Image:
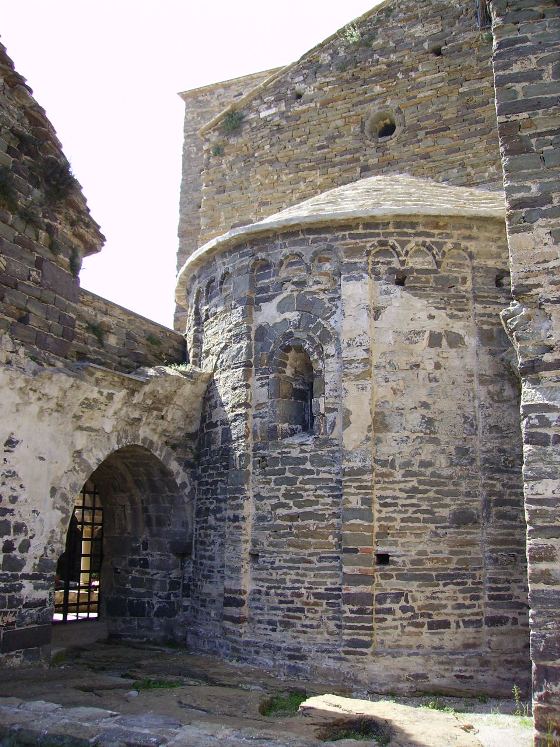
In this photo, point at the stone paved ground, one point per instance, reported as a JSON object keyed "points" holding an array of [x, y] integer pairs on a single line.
{"points": [[96, 695]]}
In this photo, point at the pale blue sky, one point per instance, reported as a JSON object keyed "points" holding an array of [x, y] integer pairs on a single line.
{"points": [[107, 73]]}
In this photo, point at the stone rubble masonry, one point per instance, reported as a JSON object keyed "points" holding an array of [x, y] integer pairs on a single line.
{"points": [[114, 337], [302, 132], [135, 434], [60, 331], [42, 208], [386, 545], [79, 398], [363, 199], [527, 77], [305, 129], [202, 105], [415, 453], [45, 230]]}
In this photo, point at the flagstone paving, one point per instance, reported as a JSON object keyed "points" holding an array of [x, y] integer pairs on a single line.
{"points": [[117, 695]]}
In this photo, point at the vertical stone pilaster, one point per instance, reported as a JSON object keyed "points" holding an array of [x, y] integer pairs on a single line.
{"points": [[357, 443], [527, 82], [239, 479], [499, 459]]}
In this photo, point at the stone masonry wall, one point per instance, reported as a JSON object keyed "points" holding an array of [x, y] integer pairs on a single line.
{"points": [[114, 337], [136, 435], [312, 127], [45, 230], [201, 106], [45, 226], [387, 545], [60, 323], [527, 77], [63, 418]]}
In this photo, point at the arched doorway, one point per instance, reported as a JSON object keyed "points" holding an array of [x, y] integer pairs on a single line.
{"points": [[128, 549]]}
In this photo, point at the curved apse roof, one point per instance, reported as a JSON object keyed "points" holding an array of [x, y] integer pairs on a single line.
{"points": [[376, 196]]}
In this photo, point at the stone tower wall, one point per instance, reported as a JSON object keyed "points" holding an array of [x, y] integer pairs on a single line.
{"points": [[201, 106], [527, 77], [305, 132]]}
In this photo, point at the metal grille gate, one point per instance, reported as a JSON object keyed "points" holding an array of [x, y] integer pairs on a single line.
{"points": [[78, 572]]}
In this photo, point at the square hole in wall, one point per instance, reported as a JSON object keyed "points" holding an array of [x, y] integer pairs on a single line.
{"points": [[382, 558]]}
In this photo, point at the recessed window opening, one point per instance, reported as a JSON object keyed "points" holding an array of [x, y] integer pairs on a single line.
{"points": [[309, 406], [195, 350], [78, 571], [386, 129], [381, 126], [295, 403], [382, 558]]}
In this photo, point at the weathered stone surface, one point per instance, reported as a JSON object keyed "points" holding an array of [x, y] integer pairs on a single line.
{"points": [[220, 703], [391, 522], [527, 43], [351, 502], [308, 127], [59, 427], [406, 725]]}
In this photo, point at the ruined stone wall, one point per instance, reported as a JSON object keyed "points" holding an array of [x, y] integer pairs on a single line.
{"points": [[45, 230], [45, 226], [136, 435], [527, 77], [114, 337], [386, 545], [313, 127], [63, 419]]}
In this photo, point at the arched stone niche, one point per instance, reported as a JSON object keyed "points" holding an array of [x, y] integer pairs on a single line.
{"points": [[295, 389]]}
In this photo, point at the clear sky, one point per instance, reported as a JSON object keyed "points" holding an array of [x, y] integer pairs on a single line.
{"points": [[107, 73]]}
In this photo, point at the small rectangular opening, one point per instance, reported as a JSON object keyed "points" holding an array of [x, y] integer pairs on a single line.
{"points": [[382, 558]]}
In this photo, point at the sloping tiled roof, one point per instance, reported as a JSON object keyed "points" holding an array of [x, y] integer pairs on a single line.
{"points": [[392, 195], [368, 198]]}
